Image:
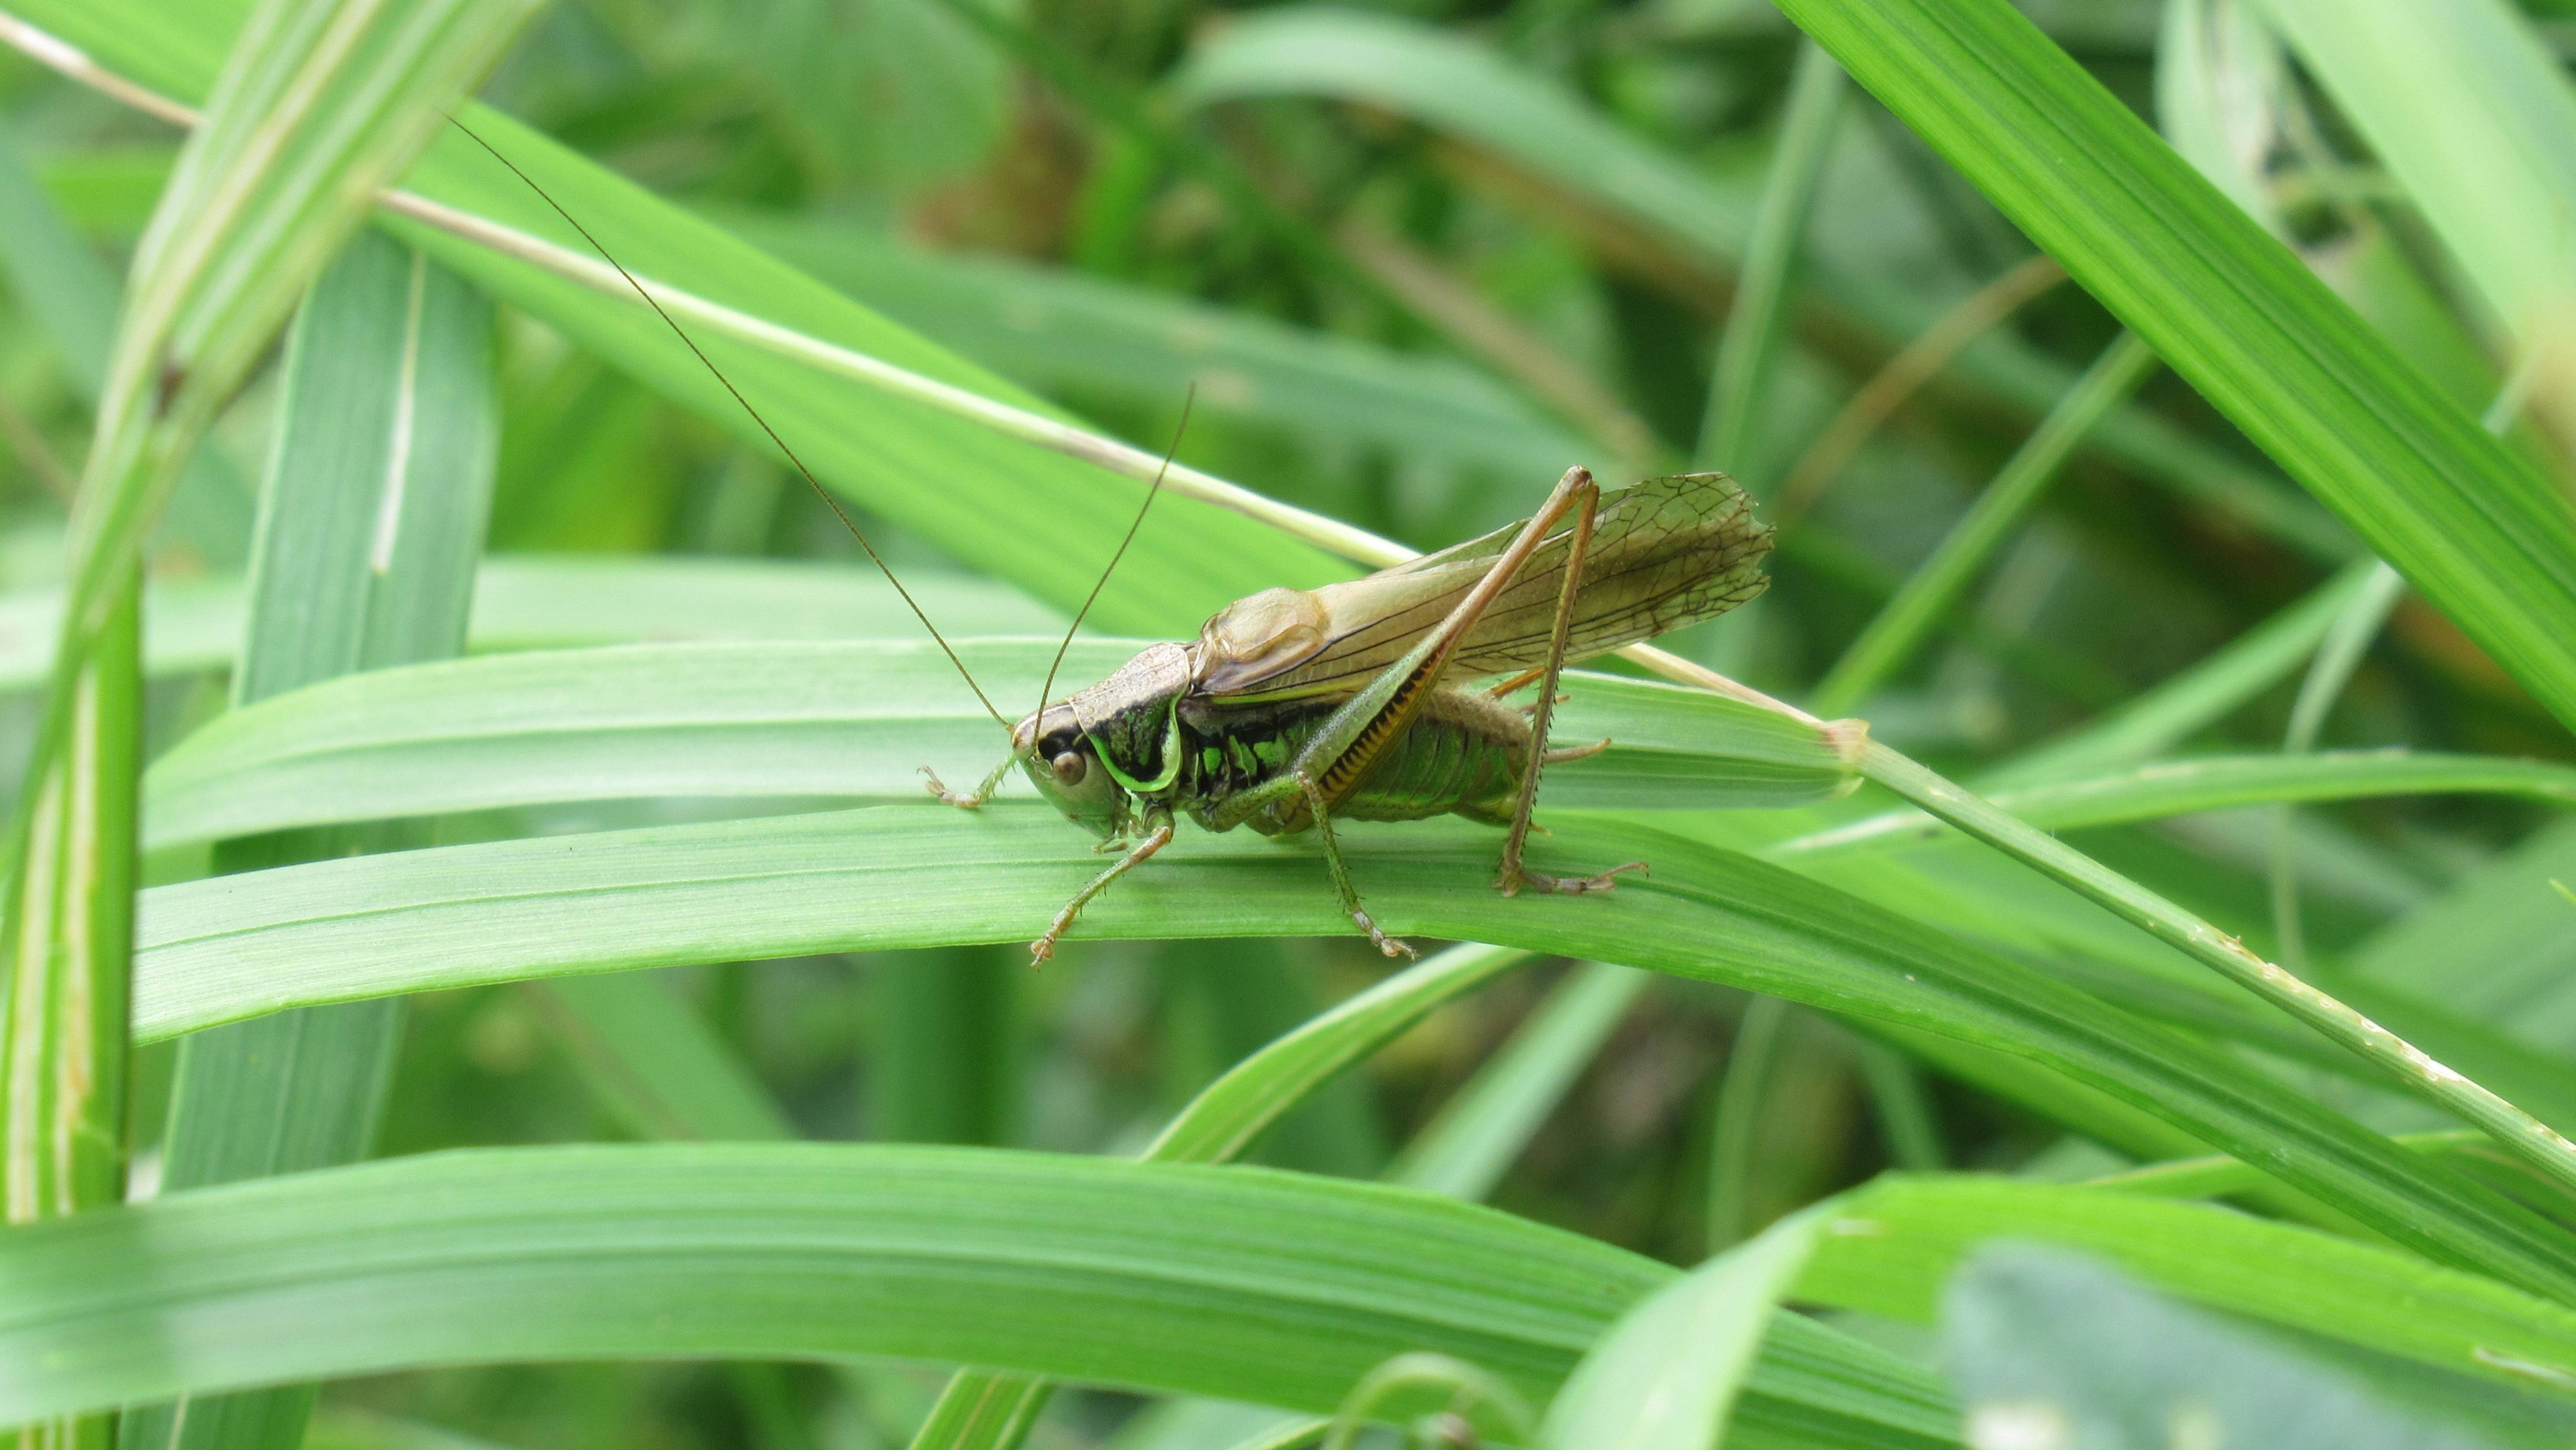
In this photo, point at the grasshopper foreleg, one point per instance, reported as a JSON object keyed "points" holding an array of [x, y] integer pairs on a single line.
{"points": [[1155, 840], [980, 794], [1341, 874]]}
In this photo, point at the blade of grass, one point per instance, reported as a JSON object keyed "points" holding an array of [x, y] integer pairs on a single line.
{"points": [[1740, 1094], [1471, 1142], [802, 720], [1241, 1282], [234, 947], [370, 525], [63, 1004], [2219, 1177], [2536, 1142], [2338, 655], [1666, 1375], [1900, 628], [2471, 525], [2209, 783], [1749, 345]]}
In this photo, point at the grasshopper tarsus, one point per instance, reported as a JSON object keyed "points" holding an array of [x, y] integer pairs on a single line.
{"points": [[971, 799], [1514, 876]]}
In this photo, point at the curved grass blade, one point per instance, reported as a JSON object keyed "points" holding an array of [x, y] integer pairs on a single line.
{"points": [[224, 949], [1748, 347], [1241, 1283], [809, 720]]}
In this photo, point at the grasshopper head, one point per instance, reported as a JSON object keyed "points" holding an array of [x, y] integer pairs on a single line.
{"points": [[1061, 761]]}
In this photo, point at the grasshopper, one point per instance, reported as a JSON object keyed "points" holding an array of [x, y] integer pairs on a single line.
{"points": [[1295, 707], [1357, 700]]}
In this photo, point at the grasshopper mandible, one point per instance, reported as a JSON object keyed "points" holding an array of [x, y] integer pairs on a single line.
{"points": [[1356, 700], [1294, 707]]}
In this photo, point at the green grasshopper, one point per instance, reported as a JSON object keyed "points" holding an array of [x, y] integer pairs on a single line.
{"points": [[1353, 701], [1296, 707]]}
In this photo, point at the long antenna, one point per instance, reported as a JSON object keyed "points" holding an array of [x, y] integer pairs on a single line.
{"points": [[1151, 491], [811, 481]]}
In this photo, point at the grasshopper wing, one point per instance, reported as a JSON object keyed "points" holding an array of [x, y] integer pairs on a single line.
{"points": [[1665, 552]]}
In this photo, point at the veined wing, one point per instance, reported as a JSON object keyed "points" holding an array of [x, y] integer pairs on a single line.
{"points": [[1665, 552]]}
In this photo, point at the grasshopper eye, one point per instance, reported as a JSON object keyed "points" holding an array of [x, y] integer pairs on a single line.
{"points": [[1069, 767]]}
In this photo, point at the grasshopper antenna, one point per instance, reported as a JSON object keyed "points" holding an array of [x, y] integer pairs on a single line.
{"points": [[1151, 491], [811, 481]]}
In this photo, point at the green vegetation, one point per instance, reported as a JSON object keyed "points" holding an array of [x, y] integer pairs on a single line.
{"points": [[471, 887]]}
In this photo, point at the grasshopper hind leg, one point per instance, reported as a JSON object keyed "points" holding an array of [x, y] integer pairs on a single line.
{"points": [[1511, 876]]}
